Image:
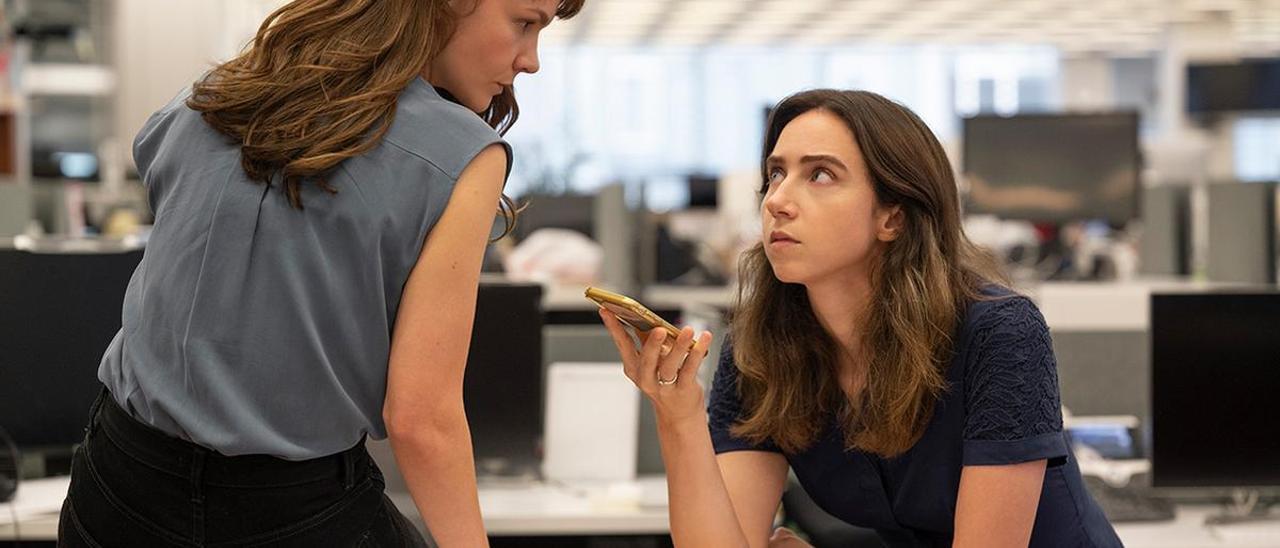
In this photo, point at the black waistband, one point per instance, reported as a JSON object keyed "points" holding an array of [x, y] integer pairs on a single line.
{"points": [[183, 458]]}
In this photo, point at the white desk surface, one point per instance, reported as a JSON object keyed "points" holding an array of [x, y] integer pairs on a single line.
{"points": [[1067, 306], [541, 509], [509, 510]]}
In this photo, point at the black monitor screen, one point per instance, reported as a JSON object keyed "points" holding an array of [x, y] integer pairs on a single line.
{"points": [[58, 313], [703, 191], [1244, 86], [1215, 379], [1053, 168], [503, 384]]}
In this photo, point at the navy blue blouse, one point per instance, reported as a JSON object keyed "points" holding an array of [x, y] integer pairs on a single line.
{"points": [[1001, 407]]}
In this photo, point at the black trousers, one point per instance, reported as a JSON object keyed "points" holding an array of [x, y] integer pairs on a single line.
{"points": [[133, 485]]}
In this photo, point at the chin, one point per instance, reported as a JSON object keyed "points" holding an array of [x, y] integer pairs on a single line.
{"points": [[787, 275]]}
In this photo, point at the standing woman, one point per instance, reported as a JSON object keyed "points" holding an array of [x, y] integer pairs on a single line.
{"points": [[322, 206], [873, 353]]}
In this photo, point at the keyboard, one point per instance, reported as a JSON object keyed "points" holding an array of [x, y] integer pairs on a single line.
{"points": [[1122, 504]]}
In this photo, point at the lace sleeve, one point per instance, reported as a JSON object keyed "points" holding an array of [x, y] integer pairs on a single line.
{"points": [[1013, 409], [724, 409]]}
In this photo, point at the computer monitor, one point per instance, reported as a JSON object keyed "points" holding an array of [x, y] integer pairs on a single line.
{"points": [[58, 312], [1053, 167], [1248, 85], [503, 385], [704, 191], [1215, 377]]}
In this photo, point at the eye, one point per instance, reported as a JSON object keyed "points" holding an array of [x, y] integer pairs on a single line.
{"points": [[821, 175], [775, 175], [526, 24]]}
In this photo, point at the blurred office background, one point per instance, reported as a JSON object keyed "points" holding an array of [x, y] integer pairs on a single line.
{"points": [[1116, 155]]}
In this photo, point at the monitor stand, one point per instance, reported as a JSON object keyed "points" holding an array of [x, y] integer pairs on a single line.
{"points": [[1246, 505]]}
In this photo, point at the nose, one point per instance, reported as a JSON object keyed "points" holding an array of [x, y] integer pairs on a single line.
{"points": [[779, 202], [527, 61]]}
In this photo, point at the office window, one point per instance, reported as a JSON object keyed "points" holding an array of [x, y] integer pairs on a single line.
{"points": [[647, 117], [1005, 80], [1134, 87], [1257, 147], [916, 76], [1033, 94]]}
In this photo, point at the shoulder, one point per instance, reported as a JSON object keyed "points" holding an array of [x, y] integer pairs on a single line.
{"points": [[1010, 382], [439, 132], [725, 408], [726, 367], [1005, 340], [1000, 310], [175, 131]]}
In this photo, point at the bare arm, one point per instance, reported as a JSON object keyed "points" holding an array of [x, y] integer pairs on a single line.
{"points": [[996, 506], [423, 411], [755, 480], [729, 500]]}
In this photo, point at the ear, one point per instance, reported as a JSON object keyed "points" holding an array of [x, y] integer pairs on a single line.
{"points": [[890, 222]]}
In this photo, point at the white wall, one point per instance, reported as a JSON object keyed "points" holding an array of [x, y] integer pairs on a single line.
{"points": [[161, 47]]}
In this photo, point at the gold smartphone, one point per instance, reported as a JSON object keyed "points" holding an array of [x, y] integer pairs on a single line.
{"points": [[635, 315]]}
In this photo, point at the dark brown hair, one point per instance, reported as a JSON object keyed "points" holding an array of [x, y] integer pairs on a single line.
{"points": [[320, 81], [921, 284]]}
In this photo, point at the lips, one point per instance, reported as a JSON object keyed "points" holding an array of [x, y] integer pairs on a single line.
{"points": [[778, 236]]}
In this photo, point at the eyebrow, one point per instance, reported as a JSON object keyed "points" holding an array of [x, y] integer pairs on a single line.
{"points": [[810, 159], [544, 18]]}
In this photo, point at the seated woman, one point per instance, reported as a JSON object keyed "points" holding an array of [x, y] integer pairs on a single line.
{"points": [[874, 351]]}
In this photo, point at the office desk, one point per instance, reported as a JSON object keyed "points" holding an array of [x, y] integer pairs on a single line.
{"points": [[552, 510], [541, 509], [524, 510], [1187, 530]]}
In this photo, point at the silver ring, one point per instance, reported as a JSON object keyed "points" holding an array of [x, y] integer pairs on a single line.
{"points": [[668, 382]]}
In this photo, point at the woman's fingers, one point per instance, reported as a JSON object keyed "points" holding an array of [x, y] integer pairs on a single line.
{"points": [[670, 364], [622, 340], [647, 365], [658, 358], [693, 362]]}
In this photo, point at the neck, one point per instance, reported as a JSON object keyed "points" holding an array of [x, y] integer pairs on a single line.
{"points": [[840, 304]]}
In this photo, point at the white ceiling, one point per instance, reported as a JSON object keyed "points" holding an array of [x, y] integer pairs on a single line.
{"points": [[1251, 26]]}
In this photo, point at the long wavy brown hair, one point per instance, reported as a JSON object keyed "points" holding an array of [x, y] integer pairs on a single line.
{"points": [[320, 81], [921, 285]]}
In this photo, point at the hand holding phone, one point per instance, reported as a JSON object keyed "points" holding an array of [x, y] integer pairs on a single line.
{"points": [[633, 314], [630, 311], [656, 366]]}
